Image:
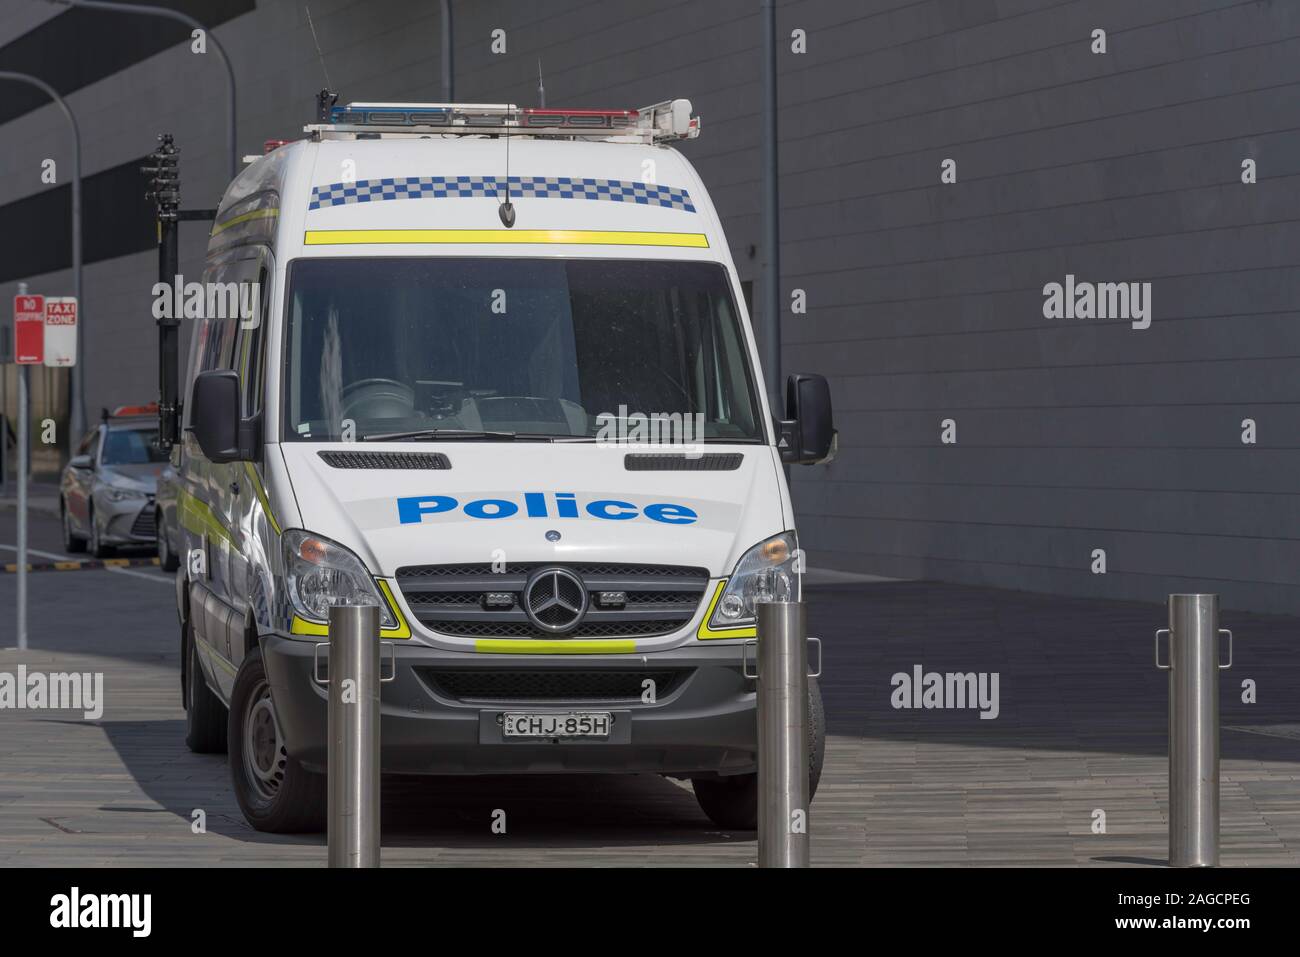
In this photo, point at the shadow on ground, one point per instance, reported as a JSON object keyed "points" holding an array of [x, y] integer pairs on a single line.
{"points": [[575, 811]]}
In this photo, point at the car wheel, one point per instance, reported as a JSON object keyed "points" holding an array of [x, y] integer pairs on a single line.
{"points": [[72, 543], [205, 715], [732, 802], [274, 791], [167, 559], [97, 546]]}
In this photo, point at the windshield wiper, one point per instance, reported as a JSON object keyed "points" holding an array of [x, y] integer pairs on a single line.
{"points": [[443, 433]]}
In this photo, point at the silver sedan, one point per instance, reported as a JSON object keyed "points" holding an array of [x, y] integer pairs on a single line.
{"points": [[108, 487]]}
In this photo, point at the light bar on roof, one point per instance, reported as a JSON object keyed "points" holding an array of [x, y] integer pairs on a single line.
{"points": [[578, 119], [669, 120]]}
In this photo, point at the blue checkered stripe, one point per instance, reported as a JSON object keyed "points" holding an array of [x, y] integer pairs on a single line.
{"points": [[521, 187]]}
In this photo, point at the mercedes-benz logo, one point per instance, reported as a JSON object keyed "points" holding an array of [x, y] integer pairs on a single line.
{"points": [[555, 599]]}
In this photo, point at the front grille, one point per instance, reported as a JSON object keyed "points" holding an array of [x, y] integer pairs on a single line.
{"points": [[502, 685], [681, 462], [452, 599], [144, 526], [385, 460]]}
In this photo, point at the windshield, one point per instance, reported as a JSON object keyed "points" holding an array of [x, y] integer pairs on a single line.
{"points": [[131, 447], [575, 348]]}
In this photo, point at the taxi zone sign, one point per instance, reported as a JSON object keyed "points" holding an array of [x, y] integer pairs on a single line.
{"points": [[45, 330], [60, 331]]}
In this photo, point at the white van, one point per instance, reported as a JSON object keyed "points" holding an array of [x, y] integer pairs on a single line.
{"points": [[531, 428]]}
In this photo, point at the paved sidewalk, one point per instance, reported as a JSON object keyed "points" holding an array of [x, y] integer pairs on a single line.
{"points": [[1081, 727]]}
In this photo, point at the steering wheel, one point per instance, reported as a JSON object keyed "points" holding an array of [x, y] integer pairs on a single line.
{"points": [[377, 398], [663, 373]]}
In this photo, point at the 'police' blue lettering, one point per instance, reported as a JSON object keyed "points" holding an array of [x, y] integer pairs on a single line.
{"points": [[602, 508], [413, 509], [500, 508], [670, 514]]}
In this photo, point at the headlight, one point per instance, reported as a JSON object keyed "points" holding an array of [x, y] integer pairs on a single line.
{"points": [[321, 573], [122, 494], [770, 571]]}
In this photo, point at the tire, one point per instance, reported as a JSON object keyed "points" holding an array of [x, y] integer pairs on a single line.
{"points": [[275, 792], [205, 715], [167, 559], [72, 543], [97, 546], [732, 802]]}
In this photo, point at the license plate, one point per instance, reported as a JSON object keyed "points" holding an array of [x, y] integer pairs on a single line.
{"points": [[573, 724]]}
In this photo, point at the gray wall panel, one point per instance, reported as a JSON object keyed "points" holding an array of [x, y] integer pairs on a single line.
{"points": [[925, 300]]}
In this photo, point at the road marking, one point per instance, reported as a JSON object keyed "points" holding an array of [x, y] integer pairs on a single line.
{"points": [[146, 577], [37, 551], [67, 563]]}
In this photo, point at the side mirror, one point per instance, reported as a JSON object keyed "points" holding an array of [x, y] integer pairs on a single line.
{"points": [[81, 462], [807, 432], [215, 420]]}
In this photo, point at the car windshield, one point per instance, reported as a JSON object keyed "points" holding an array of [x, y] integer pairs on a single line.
{"points": [[483, 347], [132, 447]]}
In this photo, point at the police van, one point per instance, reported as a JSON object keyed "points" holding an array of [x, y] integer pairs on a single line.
{"points": [[500, 381]]}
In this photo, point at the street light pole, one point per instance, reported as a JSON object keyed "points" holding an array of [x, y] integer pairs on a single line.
{"points": [[448, 71], [770, 313], [77, 390], [193, 24]]}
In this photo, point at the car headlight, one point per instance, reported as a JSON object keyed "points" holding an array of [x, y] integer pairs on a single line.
{"points": [[320, 573], [770, 571], [122, 494]]}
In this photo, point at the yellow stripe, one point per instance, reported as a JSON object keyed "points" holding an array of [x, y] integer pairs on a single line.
{"points": [[216, 656], [244, 218], [403, 630], [706, 633], [198, 517], [301, 626], [260, 490], [582, 237], [511, 646]]}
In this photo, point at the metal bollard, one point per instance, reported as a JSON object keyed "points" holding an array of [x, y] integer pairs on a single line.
{"points": [[1193, 728], [354, 736], [782, 735]]}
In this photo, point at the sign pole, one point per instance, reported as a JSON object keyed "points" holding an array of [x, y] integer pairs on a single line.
{"points": [[24, 382]]}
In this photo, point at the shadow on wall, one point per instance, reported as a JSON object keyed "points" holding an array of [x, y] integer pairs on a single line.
{"points": [[1074, 674]]}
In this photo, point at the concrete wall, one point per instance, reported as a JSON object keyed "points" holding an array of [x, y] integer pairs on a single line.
{"points": [[925, 300]]}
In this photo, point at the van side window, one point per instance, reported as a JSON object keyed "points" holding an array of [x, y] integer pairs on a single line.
{"points": [[249, 349]]}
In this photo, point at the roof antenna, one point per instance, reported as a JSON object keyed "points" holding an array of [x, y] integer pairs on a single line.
{"points": [[541, 89], [507, 209], [319, 54]]}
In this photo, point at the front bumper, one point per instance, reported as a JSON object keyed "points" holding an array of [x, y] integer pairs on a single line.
{"points": [[129, 522], [704, 724]]}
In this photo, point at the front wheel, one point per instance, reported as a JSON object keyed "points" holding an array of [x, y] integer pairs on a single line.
{"points": [[732, 802], [72, 542], [97, 546], [274, 791], [205, 715]]}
